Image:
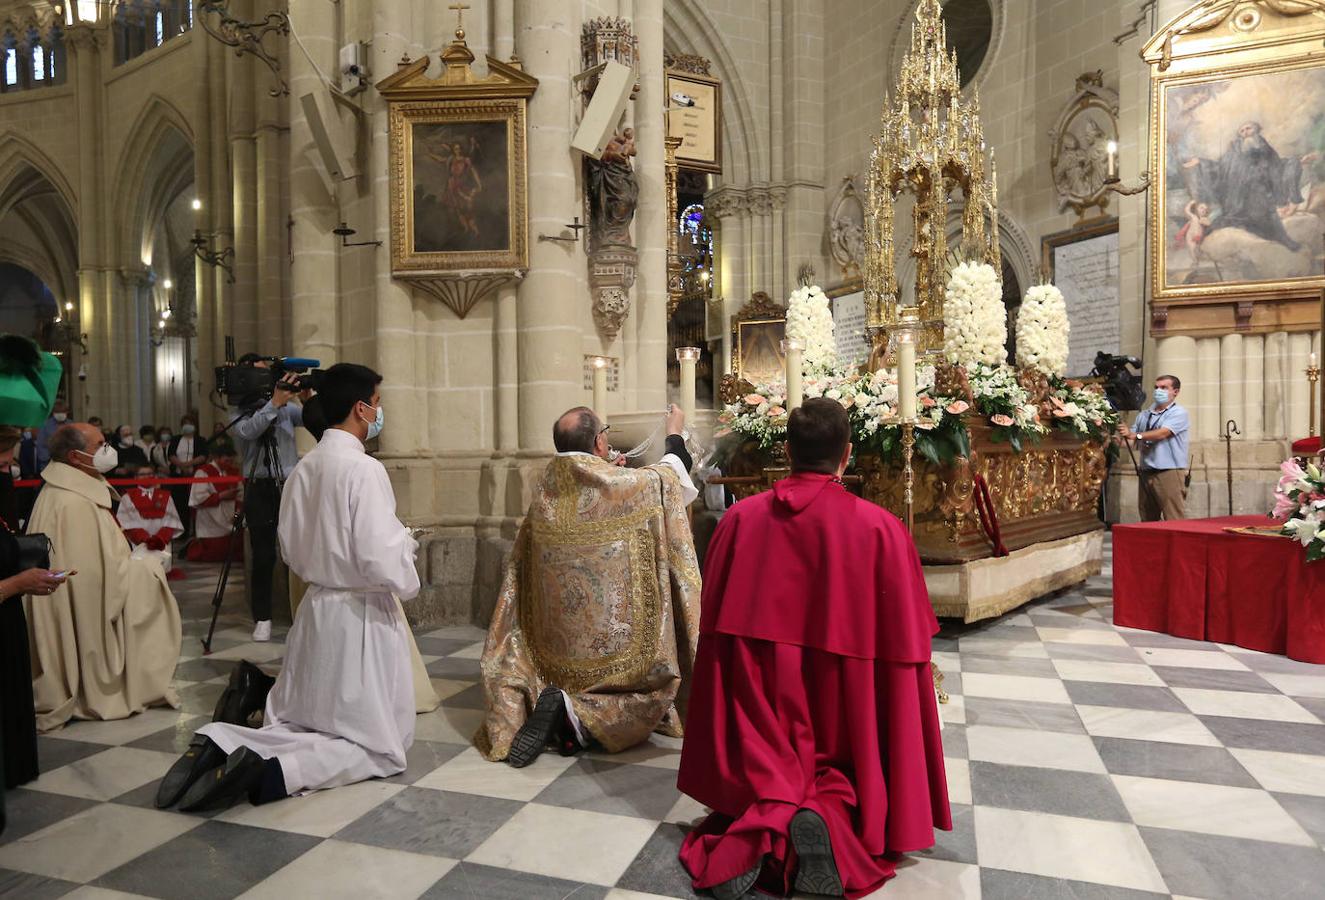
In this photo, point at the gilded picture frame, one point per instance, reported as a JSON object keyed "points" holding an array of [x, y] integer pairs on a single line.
{"points": [[698, 126], [1237, 202], [459, 209]]}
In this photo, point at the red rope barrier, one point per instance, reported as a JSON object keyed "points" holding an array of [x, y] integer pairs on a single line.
{"points": [[144, 482], [984, 504]]}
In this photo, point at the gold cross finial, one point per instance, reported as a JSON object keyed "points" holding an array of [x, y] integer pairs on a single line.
{"points": [[459, 19]]}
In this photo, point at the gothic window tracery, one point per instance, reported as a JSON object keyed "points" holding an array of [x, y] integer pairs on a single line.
{"points": [[31, 57]]}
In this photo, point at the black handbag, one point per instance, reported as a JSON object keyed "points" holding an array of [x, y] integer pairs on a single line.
{"points": [[34, 551]]}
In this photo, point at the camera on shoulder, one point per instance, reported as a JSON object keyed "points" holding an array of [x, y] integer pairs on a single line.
{"points": [[253, 379]]}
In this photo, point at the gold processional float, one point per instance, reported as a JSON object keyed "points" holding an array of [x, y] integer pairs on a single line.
{"points": [[1044, 496]]}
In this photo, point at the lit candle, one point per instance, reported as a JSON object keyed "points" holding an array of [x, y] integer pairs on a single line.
{"points": [[687, 357], [1111, 170], [906, 363], [600, 387], [1311, 362], [792, 350]]}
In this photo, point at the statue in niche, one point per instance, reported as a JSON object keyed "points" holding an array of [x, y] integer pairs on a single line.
{"points": [[613, 192]]}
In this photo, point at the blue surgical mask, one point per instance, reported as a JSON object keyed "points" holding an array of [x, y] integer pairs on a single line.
{"points": [[375, 426], [1161, 396]]}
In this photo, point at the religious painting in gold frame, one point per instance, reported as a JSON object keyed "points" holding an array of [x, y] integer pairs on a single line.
{"points": [[1238, 203], [758, 329], [458, 166]]}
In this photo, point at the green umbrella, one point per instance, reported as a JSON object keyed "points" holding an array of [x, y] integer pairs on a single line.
{"points": [[29, 382]]}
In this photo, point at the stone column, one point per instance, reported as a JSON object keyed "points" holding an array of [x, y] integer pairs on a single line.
{"points": [[199, 363], [1299, 347], [725, 206], [314, 285], [1276, 397], [1205, 424], [243, 186], [1177, 356], [503, 29], [651, 215], [1232, 377], [84, 43], [1253, 391], [549, 298]]}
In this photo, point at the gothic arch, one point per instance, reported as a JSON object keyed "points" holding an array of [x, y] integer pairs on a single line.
{"points": [[689, 28], [37, 214], [154, 166]]}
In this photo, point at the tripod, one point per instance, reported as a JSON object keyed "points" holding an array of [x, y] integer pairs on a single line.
{"points": [[267, 454]]}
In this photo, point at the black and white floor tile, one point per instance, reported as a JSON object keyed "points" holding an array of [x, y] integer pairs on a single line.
{"points": [[1084, 761]]}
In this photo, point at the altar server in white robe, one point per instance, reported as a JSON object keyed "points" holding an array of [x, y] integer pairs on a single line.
{"points": [[342, 709]]}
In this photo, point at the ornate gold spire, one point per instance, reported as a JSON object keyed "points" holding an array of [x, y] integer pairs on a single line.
{"points": [[930, 143]]}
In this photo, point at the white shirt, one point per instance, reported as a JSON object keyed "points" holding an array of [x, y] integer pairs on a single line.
{"points": [[338, 522]]}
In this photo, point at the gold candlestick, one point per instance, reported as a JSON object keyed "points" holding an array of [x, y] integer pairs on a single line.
{"points": [[1313, 376], [908, 473]]}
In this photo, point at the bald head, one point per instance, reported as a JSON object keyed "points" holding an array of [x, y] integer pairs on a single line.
{"points": [[76, 444], [577, 431]]}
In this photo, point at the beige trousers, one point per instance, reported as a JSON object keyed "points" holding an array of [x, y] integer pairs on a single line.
{"points": [[1162, 494]]}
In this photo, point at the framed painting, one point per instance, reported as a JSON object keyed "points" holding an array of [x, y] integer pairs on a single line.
{"points": [[459, 215], [1238, 194], [700, 125], [758, 328]]}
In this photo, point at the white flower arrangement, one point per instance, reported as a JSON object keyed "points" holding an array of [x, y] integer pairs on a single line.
{"points": [[975, 322], [810, 321], [1300, 505], [1042, 331], [1000, 397]]}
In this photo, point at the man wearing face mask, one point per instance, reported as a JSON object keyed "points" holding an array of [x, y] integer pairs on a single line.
{"points": [[59, 415], [342, 709], [277, 418], [104, 644], [1162, 433]]}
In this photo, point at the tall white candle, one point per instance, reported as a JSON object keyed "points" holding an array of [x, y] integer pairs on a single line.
{"points": [[600, 387], [795, 393], [1111, 161], [687, 357], [906, 377]]}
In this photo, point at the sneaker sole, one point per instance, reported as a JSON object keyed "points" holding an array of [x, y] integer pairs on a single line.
{"points": [[532, 738], [817, 873]]}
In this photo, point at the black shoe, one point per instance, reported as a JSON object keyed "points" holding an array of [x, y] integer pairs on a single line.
{"points": [[817, 871], [537, 731], [244, 695], [201, 757], [737, 888], [225, 785]]}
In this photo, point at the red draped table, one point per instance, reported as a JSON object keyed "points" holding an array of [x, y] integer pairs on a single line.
{"points": [[1196, 579]]}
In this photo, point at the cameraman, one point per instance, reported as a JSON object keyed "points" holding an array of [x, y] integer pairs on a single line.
{"points": [[1162, 432], [278, 418]]}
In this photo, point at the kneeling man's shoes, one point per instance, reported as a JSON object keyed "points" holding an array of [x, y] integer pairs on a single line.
{"points": [[534, 734], [201, 757], [737, 888], [817, 873], [225, 784]]}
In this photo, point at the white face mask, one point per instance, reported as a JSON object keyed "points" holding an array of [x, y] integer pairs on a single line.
{"points": [[61, 417], [105, 459]]}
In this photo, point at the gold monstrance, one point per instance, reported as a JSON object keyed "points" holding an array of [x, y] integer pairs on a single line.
{"points": [[931, 144]]}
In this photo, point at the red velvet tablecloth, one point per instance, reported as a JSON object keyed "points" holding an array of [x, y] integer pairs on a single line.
{"points": [[1195, 579]]}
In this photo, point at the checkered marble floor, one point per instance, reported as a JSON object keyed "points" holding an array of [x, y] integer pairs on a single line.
{"points": [[1084, 761]]}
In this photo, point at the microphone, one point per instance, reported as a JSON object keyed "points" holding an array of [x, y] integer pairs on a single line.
{"points": [[301, 362]]}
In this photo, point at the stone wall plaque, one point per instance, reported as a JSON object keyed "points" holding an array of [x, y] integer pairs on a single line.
{"points": [[1083, 263]]}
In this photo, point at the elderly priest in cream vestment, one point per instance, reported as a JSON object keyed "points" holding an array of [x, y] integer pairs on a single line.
{"points": [[594, 633], [105, 644]]}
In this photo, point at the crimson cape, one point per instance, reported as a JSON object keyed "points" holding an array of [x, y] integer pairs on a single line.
{"points": [[812, 688]]}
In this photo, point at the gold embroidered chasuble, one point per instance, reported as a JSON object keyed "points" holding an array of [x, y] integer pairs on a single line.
{"points": [[601, 599]]}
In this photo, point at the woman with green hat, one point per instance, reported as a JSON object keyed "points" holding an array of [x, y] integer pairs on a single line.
{"points": [[29, 380]]}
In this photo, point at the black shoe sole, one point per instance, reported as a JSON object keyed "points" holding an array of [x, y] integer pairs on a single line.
{"points": [[533, 736], [245, 694], [817, 872], [737, 888], [201, 757], [224, 786]]}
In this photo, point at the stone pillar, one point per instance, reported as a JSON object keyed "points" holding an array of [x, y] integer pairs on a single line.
{"points": [[550, 300], [503, 29], [1205, 424], [243, 185], [1299, 347], [1276, 398], [84, 43], [1177, 356], [1253, 367], [651, 215], [313, 268], [505, 326], [199, 362], [725, 206], [1232, 377]]}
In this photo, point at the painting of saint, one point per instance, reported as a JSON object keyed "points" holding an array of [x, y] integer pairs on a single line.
{"points": [[461, 187], [1244, 184], [759, 350]]}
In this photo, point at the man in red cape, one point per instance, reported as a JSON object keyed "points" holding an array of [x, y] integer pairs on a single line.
{"points": [[813, 730]]}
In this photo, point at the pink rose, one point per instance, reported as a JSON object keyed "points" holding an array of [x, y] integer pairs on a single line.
{"points": [[775, 411], [928, 402], [1060, 413], [957, 407], [1001, 419], [1099, 422], [754, 399]]}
